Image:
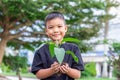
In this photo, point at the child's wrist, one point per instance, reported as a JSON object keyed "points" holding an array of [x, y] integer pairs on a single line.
{"points": [[53, 71], [68, 70]]}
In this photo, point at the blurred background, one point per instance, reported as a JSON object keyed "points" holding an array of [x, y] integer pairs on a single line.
{"points": [[96, 23]]}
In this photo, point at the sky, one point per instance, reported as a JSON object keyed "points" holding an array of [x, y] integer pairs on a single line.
{"points": [[116, 11], [114, 29], [114, 26]]}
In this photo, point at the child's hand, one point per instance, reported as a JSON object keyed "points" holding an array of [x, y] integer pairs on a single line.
{"points": [[64, 68], [55, 67]]}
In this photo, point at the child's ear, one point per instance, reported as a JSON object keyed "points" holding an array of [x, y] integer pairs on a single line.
{"points": [[45, 31], [66, 28]]}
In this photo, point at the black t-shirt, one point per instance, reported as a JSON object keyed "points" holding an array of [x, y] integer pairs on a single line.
{"points": [[43, 60]]}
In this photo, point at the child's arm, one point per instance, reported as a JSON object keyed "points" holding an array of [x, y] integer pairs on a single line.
{"points": [[74, 73], [44, 73]]}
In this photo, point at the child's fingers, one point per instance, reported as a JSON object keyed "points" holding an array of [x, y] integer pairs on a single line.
{"points": [[64, 69], [55, 67], [54, 64]]}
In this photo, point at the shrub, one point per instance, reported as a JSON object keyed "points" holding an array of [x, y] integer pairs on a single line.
{"points": [[89, 70], [114, 60], [15, 62], [5, 68]]}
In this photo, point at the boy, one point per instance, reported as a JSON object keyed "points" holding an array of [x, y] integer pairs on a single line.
{"points": [[44, 66]]}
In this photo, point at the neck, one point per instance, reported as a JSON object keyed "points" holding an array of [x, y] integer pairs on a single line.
{"points": [[57, 42]]}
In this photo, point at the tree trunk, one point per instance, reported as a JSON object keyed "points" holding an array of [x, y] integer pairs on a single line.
{"points": [[118, 78], [106, 29], [2, 49], [105, 68], [18, 74]]}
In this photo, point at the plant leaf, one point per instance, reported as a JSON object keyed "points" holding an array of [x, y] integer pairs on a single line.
{"points": [[60, 53], [73, 55], [51, 49], [70, 40]]}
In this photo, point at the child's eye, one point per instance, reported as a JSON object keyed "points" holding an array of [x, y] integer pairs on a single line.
{"points": [[59, 26], [50, 27]]}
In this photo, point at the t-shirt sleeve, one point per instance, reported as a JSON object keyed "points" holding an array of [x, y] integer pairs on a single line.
{"points": [[79, 65], [37, 62]]}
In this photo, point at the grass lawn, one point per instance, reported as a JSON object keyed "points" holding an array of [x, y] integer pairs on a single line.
{"points": [[93, 78], [22, 74], [33, 76]]}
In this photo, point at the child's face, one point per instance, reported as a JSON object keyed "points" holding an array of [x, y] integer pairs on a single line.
{"points": [[56, 29]]}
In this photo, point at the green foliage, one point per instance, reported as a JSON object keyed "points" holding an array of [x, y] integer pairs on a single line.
{"points": [[19, 8], [116, 47], [94, 78], [24, 70], [89, 70], [20, 13], [5, 68], [116, 67], [59, 53], [29, 47], [15, 62], [84, 47], [52, 47], [13, 44], [115, 59], [70, 40], [73, 55], [22, 21]]}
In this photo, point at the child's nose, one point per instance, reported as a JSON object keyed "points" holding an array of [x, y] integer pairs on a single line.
{"points": [[56, 29]]}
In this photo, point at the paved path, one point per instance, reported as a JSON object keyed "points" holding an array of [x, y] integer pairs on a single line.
{"points": [[16, 78]]}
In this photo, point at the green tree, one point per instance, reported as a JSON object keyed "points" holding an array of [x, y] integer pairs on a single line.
{"points": [[15, 63], [21, 21], [114, 59], [17, 18], [105, 21]]}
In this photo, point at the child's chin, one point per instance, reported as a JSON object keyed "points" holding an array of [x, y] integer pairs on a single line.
{"points": [[57, 39]]}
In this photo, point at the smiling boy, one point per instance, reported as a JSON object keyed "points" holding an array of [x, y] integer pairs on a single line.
{"points": [[44, 66]]}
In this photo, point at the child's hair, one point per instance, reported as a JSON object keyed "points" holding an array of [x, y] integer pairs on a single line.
{"points": [[54, 15]]}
